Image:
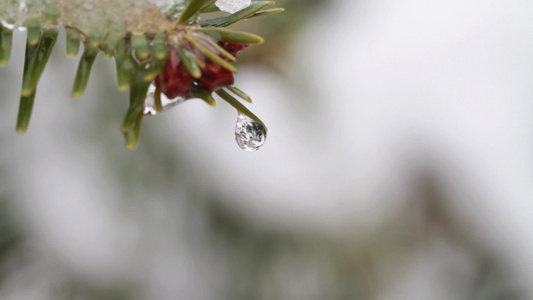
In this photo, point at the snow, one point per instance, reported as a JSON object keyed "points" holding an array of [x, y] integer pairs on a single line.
{"points": [[232, 6]]}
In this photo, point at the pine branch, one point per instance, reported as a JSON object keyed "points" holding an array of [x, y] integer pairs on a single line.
{"points": [[164, 55]]}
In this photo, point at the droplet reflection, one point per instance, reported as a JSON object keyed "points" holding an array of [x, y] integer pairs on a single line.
{"points": [[249, 134]]}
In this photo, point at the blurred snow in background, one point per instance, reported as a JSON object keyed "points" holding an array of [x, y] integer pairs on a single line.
{"points": [[398, 165]]}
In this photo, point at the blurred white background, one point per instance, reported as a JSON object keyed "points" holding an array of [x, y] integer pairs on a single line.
{"points": [[399, 165]]}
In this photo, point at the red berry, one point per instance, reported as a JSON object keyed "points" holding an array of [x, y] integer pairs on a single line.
{"points": [[214, 76], [232, 48], [174, 80]]}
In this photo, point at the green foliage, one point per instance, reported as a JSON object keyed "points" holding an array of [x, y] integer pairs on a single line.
{"points": [[140, 40]]}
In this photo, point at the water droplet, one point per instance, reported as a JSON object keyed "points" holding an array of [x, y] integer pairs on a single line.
{"points": [[151, 108], [249, 134]]}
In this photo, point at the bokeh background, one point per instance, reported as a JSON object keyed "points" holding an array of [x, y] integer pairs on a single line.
{"points": [[399, 165]]}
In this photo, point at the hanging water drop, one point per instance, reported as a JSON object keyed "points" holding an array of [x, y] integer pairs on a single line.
{"points": [[154, 104], [249, 134]]}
